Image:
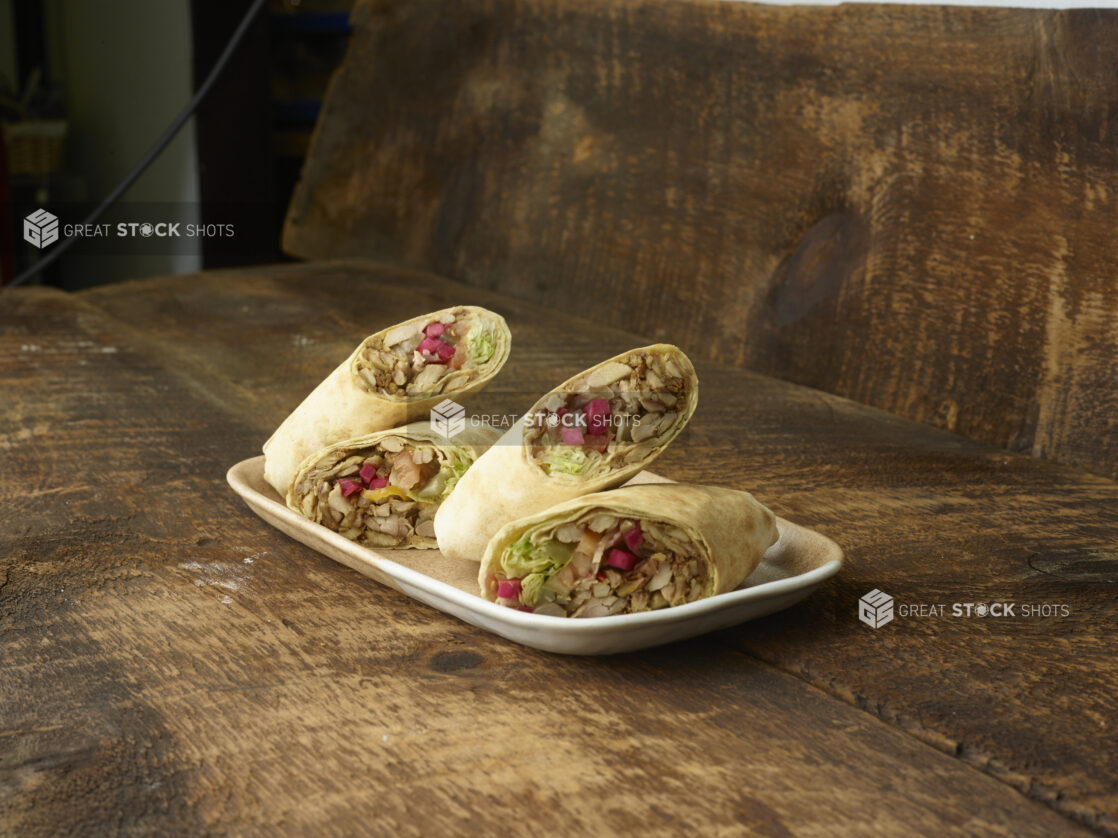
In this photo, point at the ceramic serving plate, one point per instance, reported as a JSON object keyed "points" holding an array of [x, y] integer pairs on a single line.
{"points": [[791, 569]]}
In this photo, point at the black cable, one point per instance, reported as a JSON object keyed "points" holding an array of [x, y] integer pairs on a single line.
{"points": [[154, 151]]}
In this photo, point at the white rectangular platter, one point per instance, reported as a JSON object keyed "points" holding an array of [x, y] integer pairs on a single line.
{"points": [[797, 564]]}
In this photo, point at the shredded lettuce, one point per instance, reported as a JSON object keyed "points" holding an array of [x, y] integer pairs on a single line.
{"points": [[568, 459], [439, 487], [433, 490], [480, 343], [530, 587], [457, 469], [523, 559]]}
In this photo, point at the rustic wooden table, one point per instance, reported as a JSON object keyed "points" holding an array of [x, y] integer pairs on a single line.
{"points": [[172, 665]]}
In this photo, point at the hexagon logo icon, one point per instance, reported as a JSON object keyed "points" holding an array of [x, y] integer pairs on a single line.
{"points": [[40, 228], [448, 418], [875, 609]]}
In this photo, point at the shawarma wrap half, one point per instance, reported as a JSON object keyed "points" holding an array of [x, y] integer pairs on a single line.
{"points": [[383, 489], [634, 549], [592, 432], [393, 377]]}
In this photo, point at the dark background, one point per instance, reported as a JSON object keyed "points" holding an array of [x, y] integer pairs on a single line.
{"points": [[111, 76]]}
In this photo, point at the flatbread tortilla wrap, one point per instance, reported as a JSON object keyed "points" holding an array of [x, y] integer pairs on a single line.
{"points": [[633, 549], [383, 489], [592, 432], [393, 377]]}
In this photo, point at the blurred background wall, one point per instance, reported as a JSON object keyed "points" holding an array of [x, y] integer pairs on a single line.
{"points": [[126, 70], [111, 75], [7, 41], [88, 86]]}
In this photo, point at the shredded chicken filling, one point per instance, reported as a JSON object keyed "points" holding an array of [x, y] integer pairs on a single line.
{"points": [[601, 565], [614, 415], [421, 360], [382, 495]]}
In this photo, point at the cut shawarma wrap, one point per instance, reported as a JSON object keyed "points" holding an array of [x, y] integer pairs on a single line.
{"points": [[633, 549], [393, 377], [383, 489], [592, 432]]}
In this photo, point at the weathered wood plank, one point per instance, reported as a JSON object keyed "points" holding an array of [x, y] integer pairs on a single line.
{"points": [[912, 207], [152, 676], [957, 516], [302, 698]]}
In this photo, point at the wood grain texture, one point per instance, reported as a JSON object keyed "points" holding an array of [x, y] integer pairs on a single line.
{"points": [[170, 663], [911, 207]]}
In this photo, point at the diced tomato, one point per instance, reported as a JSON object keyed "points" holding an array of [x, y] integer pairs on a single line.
{"points": [[621, 559], [430, 346], [597, 417], [350, 487], [445, 351], [571, 436]]}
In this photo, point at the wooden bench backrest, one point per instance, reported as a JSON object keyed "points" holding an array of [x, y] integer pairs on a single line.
{"points": [[914, 207]]}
